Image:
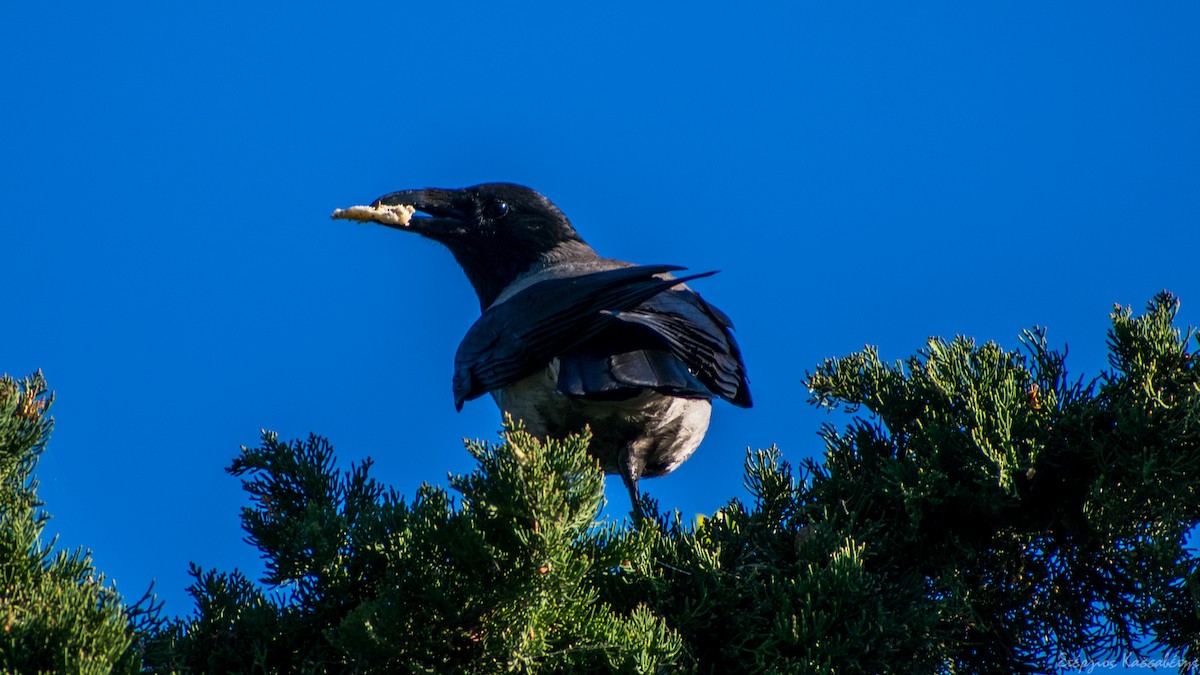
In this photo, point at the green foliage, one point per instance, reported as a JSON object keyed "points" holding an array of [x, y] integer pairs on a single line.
{"points": [[764, 590], [986, 514], [1047, 517], [502, 582], [56, 613]]}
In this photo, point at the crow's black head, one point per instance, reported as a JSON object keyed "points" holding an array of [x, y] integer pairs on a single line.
{"points": [[496, 231]]}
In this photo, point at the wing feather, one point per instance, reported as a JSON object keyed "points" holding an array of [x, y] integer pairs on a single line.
{"points": [[614, 332], [524, 333]]}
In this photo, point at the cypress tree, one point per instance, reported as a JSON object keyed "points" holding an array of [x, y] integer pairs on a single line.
{"points": [[981, 511], [57, 614]]}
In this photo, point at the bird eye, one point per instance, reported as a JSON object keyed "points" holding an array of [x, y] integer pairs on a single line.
{"points": [[495, 210]]}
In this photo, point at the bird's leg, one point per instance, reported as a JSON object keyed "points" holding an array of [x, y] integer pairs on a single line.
{"points": [[630, 464]]}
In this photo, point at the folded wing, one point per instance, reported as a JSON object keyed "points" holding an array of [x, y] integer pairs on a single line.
{"points": [[523, 334], [698, 336]]}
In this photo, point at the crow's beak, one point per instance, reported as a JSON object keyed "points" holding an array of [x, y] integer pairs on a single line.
{"points": [[442, 213]]}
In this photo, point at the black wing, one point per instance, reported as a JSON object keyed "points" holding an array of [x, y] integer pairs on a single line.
{"points": [[523, 334], [674, 342]]}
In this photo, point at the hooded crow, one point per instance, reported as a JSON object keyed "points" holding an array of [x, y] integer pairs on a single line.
{"points": [[568, 338]]}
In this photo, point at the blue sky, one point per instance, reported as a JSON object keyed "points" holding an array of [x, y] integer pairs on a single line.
{"points": [[861, 173]]}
